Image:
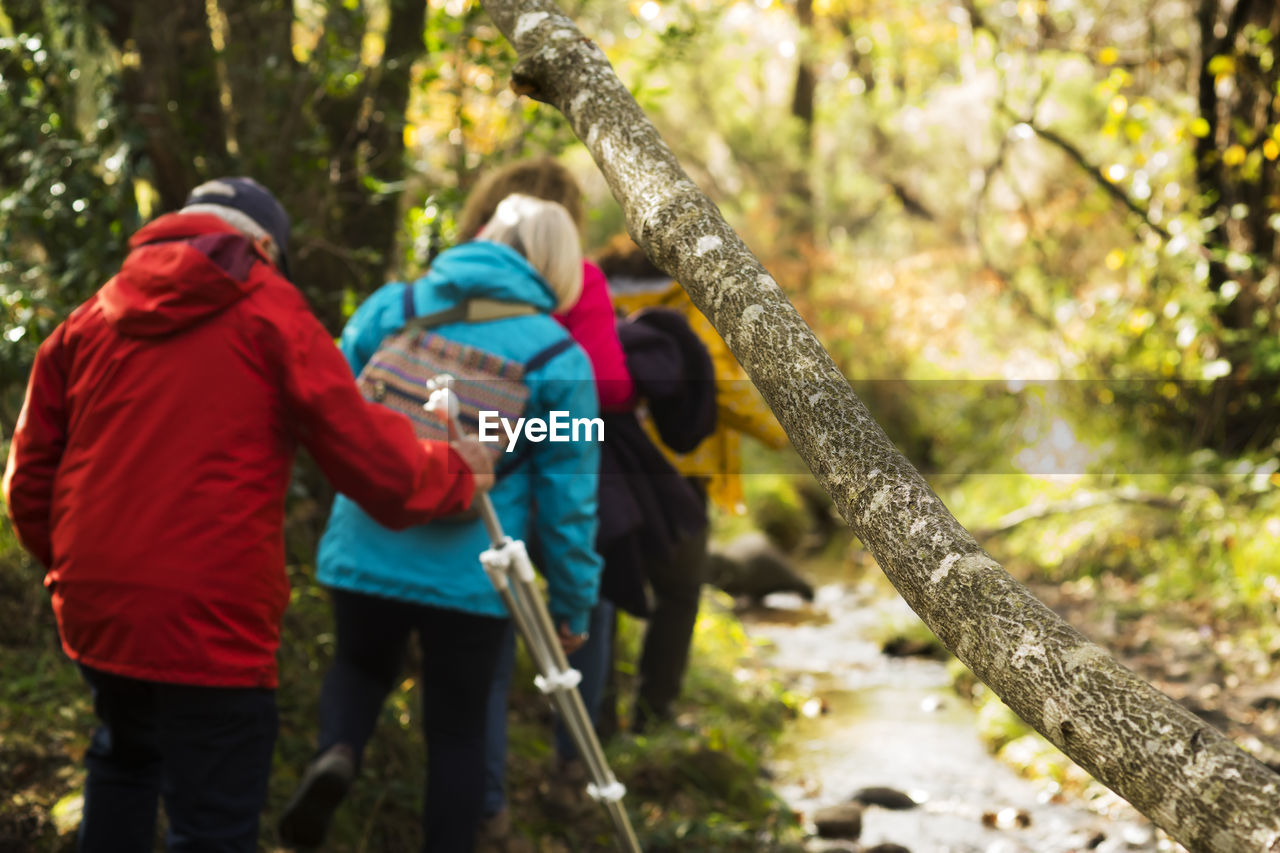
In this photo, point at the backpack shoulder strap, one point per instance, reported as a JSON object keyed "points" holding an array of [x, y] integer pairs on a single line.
{"points": [[410, 311], [482, 310], [468, 311], [545, 355], [541, 357]]}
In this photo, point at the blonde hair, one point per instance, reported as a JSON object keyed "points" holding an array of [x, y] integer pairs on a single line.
{"points": [[544, 233], [540, 177]]}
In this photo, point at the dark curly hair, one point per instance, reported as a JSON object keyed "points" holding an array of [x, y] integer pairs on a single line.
{"points": [[541, 177]]}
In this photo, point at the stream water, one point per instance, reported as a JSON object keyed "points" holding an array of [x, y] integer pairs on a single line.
{"points": [[896, 722]]}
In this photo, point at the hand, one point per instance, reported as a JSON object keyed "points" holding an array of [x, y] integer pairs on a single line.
{"points": [[477, 459], [570, 641]]}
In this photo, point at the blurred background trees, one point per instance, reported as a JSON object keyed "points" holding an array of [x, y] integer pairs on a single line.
{"points": [[1092, 184], [961, 197], [1050, 189], [1039, 236], [112, 111]]}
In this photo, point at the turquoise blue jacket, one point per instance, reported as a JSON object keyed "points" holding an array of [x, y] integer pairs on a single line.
{"points": [[551, 493]]}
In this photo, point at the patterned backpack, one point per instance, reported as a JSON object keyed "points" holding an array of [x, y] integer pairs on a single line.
{"points": [[406, 360]]}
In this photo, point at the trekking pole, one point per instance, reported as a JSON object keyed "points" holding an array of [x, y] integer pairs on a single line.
{"points": [[511, 572]]}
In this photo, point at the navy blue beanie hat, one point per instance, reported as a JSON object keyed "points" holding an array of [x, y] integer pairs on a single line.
{"points": [[254, 201]]}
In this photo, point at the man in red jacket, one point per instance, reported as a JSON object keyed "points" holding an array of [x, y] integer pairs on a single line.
{"points": [[148, 473]]}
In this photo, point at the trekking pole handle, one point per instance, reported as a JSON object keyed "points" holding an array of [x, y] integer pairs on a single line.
{"points": [[442, 399]]}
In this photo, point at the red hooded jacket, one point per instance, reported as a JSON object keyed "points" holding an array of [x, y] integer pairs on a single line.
{"points": [[149, 466]]}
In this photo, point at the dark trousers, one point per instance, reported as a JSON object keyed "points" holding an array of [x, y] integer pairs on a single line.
{"points": [[206, 750], [459, 654], [593, 661], [664, 656]]}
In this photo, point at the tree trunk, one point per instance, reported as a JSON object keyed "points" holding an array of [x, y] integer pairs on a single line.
{"points": [[280, 123], [377, 220], [1244, 116], [1184, 775], [806, 85], [262, 77], [1240, 201], [802, 219], [172, 90]]}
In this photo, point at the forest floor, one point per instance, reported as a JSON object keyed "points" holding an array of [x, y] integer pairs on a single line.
{"points": [[695, 786], [704, 784]]}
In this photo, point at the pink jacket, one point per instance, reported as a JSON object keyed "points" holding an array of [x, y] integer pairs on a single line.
{"points": [[592, 323]]}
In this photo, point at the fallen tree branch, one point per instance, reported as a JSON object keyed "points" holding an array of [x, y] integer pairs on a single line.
{"points": [[1184, 775], [1073, 504], [1078, 157]]}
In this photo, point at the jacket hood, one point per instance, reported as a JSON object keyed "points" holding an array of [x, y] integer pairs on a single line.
{"points": [[480, 269], [183, 269]]}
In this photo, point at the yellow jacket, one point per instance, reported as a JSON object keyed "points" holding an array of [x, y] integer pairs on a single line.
{"points": [[739, 407]]}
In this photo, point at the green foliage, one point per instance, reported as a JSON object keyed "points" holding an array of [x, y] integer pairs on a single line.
{"points": [[68, 197], [978, 198], [1201, 529], [45, 712], [463, 121], [698, 789], [1014, 186], [102, 126], [701, 786]]}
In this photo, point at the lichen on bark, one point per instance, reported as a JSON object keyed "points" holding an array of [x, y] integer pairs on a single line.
{"points": [[1187, 777]]}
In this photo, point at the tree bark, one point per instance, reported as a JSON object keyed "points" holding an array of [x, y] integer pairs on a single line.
{"points": [[261, 76], [1184, 775], [1239, 203], [359, 202], [172, 90], [382, 130], [280, 123], [806, 85]]}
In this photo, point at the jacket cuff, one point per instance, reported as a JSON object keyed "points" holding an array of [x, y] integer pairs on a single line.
{"points": [[463, 490]]}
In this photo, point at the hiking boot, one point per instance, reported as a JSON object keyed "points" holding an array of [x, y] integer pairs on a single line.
{"points": [[645, 718], [647, 721], [493, 832], [494, 835], [324, 783], [566, 791]]}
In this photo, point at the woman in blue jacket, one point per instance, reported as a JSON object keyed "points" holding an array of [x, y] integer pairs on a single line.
{"points": [[428, 579]]}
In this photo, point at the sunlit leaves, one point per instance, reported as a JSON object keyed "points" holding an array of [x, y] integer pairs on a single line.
{"points": [[66, 196], [1222, 66], [463, 115], [1235, 155]]}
